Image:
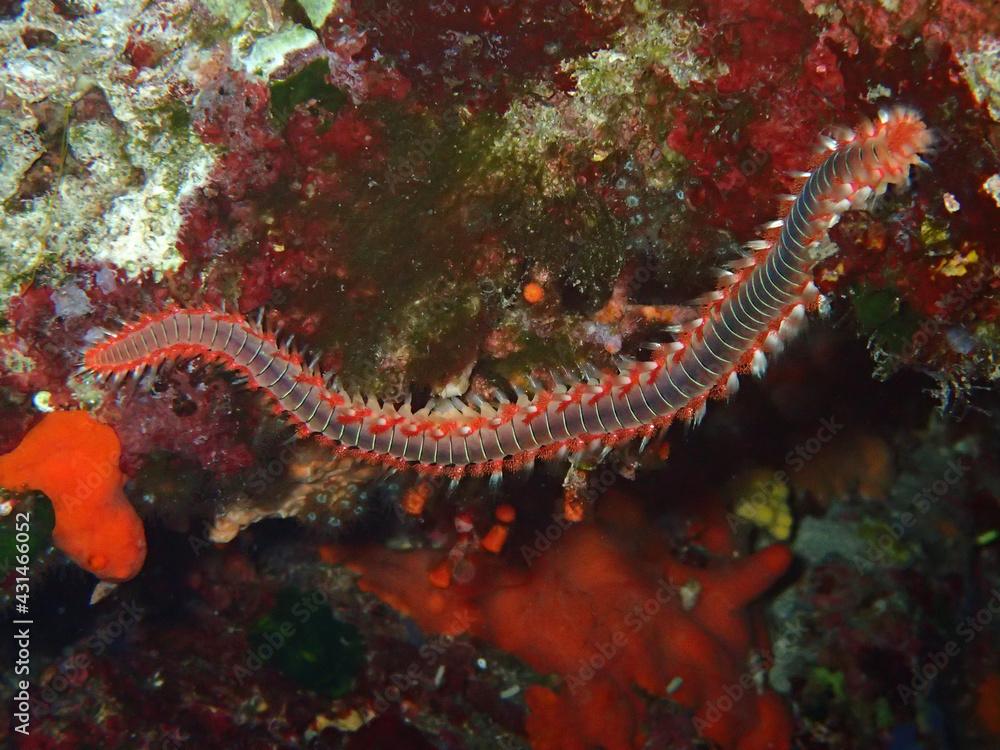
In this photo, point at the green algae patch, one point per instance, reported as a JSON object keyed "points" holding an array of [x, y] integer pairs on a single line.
{"points": [[178, 119], [302, 639], [309, 84], [934, 233], [878, 534], [535, 352], [611, 110], [419, 255], [578, 239], [451, 211], [830, 680], [881, 315], [233, 12]]}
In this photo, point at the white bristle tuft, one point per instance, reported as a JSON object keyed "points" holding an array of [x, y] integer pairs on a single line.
{"points": [[842, 190], [740, 263], [861, 197], [794, 323], [773, 343], [758, 365], [699, 414], [726, 278], [732, 384], [788, 329], [810, 293]]}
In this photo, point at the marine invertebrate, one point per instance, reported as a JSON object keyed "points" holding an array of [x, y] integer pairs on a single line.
{"points": [[761, 301], [73, 459]]}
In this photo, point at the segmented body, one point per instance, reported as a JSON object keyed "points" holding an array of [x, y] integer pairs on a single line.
{"points": [[761, 302]]}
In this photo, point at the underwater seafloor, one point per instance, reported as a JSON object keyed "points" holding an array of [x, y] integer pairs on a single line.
{"points": [[455, 198]]}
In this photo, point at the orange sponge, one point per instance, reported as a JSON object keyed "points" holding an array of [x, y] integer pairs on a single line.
{"points": [[73, 459]]}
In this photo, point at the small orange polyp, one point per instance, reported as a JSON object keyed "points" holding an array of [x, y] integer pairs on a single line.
{"points": [[440, 575], [533, 292], [73, 459], [505, 513], [495, 538]]}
